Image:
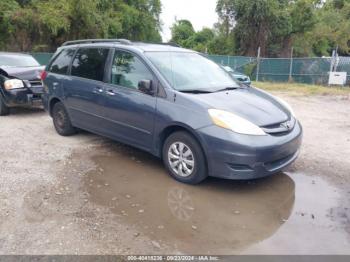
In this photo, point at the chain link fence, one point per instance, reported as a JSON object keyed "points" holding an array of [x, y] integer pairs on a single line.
{"points": [[301, 70], [235, 62]]}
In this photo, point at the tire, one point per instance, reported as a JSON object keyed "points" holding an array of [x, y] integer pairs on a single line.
{"points": [[62, 121], [4, 110], [192, 168]]}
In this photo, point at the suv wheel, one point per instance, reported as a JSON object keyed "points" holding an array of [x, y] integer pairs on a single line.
{"points": [[4, 110], [62, 121], [184, 159]]}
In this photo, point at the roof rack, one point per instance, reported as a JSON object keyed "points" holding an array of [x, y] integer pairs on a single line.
{"points": [[171, 44], [91, 41], [157, 43]]}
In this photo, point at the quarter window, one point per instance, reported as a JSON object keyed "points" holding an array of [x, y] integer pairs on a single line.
{"points": [[128, 70], [90, 63], [61, 64]]}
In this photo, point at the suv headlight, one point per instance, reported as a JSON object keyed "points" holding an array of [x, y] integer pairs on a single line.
{"points": [[234, 123], [13, 84]]}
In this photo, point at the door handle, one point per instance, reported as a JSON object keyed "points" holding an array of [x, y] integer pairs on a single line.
{"points": [[110, 93]]}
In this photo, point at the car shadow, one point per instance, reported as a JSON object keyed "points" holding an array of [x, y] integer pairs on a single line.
{"points": [[26, 111]]}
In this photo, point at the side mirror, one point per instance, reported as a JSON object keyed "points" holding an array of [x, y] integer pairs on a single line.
{"points": [[145, 86]]}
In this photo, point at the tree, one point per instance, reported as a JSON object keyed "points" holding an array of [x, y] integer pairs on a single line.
{"points": [[181, 31], [332, 30], [28, 25], [206, 40], [253, 22], [294, 21], [268, 24]]}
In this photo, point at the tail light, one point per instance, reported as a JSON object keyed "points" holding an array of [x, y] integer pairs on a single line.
{"points": [[43, 75]]}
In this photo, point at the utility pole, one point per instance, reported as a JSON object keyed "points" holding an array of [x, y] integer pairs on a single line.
{"points": [[331, 67], [290, 79], [336, 59], [258, 66], [332, 61]]}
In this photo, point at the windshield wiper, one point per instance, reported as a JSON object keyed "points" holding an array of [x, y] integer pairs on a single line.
{"points": [[196, 91], [228, 88]]}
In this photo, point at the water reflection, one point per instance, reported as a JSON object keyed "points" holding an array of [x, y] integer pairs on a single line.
{"points": [[180, 203], [217, 216]]}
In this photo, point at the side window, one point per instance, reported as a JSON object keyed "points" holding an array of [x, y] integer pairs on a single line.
{"points": [[61, 64], [128, 70], [90, 63]]}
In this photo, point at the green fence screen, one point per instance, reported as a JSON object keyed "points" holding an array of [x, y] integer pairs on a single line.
{"points": [[42, 58], [301, 70]]}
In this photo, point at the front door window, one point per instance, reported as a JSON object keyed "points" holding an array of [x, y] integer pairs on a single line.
{"points": [[128, 70]]}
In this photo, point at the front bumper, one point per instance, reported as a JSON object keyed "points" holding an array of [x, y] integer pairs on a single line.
{"points": [[25, 97], [234, 156]]}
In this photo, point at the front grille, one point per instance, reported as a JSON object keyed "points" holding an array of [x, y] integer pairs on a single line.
{"points": [[34, 83], [280, 128]]}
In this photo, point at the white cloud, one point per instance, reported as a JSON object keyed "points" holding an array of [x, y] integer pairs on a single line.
{"points": [[200, 12]]}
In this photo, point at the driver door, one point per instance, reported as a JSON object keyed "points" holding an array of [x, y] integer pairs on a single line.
{"points": [[130, 112]]}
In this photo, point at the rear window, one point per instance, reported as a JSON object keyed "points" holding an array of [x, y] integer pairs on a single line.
{"points": [[61, 63], [90, 63]]}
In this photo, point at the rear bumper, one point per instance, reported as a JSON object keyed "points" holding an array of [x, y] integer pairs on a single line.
{"points": [[242, 157], [23, 97]]}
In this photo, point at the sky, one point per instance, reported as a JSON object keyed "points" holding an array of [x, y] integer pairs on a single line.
{"points": [[200, 12]]}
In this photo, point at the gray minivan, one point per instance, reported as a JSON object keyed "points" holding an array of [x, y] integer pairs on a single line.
{"points": [[174, 103]]}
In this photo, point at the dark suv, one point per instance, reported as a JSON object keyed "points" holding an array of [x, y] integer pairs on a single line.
{"points": [[20, 83], [175, 104]]}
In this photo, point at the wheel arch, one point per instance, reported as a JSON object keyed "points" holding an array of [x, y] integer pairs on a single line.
{"points": [[177, 127], [52, 102]]}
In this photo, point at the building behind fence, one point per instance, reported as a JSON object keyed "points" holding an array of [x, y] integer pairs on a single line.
{"points": [[301, 70]]}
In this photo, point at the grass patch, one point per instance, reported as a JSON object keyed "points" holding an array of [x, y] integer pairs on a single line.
{"points": [[302, 89]]}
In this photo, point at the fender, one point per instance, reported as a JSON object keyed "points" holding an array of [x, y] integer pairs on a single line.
{"points": [[3, 72], [173, 127]]}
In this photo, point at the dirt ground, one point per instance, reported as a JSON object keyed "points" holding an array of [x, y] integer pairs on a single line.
{"points": [[88, 195]]}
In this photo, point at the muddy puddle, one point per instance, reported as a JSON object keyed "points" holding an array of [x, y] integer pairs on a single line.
{"points": [[281, 214]]}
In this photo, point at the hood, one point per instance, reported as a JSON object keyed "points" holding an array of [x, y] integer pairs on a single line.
{"points": [[24, 73], [252, 104]]}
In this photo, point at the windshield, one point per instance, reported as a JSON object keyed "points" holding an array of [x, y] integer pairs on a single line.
{"points": [[191, 71], [17, 60]]}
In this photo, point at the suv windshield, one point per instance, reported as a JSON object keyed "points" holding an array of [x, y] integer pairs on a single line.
{"points": [[187, 71], [18, 60]]}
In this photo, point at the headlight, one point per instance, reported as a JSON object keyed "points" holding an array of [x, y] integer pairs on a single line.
{"points": [[235, 123], [13, 84], [286, 105]]}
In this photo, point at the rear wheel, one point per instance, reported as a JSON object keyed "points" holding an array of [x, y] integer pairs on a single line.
{"points": [[62, 121], [184, 158], [4, 110]]}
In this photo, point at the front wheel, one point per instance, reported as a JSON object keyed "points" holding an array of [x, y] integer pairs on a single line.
{"points": [[4, 110], [184, 159], [62, 121]]}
